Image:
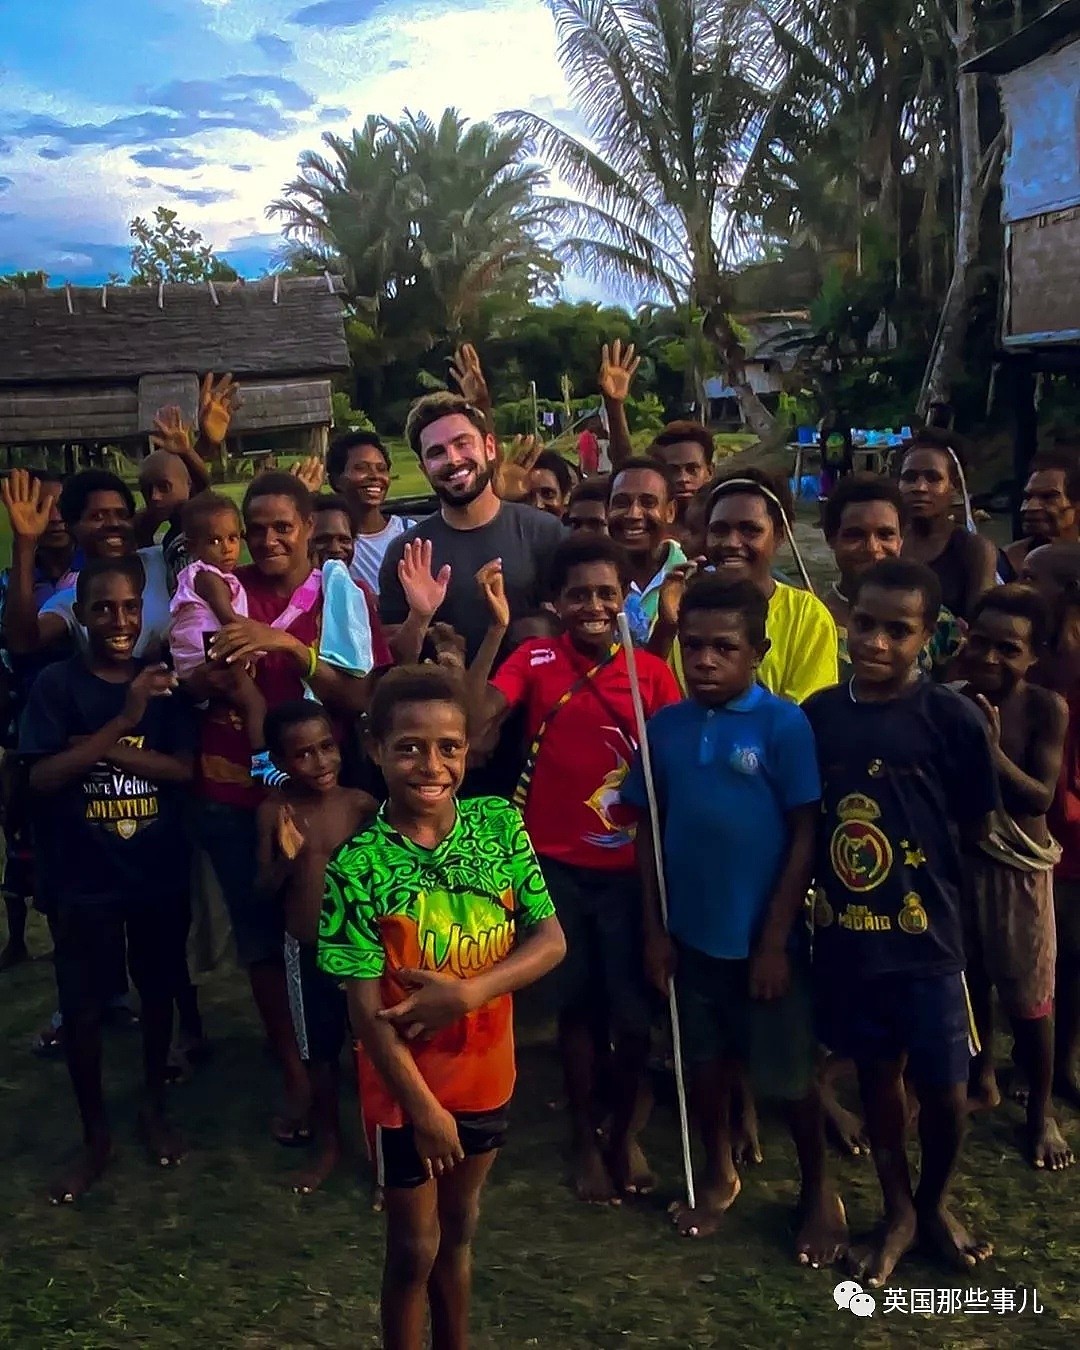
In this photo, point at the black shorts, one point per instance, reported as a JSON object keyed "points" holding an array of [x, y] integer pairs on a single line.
{"points": [[600, 915], [398, 1165], [317, 1003], [97, 943], [926, 1018]]}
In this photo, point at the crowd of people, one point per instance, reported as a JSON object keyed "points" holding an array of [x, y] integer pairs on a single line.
{"points": [[408, 757]]}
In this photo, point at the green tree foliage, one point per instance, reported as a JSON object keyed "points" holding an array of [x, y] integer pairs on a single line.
{"points": [[671, 93], [428, 222], [164, 250]]}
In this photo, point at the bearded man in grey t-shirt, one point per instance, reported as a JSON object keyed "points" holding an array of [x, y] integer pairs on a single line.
{"points": [[473, 525]]}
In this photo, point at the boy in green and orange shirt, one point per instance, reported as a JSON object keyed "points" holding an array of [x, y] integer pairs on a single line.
{"points": [[421, 919]]}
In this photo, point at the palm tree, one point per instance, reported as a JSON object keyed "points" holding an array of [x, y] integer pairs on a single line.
{"points": [[672, 93], [424, 219], [478, 220]]}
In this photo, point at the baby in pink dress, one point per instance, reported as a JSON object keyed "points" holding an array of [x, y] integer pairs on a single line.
{"points": [[208, 592]]}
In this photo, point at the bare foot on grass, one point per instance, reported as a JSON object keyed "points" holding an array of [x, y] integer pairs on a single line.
{"points": [[630, 1170], [942, 1235], [164, 1143], [874, 1260], [983, 1091], [322, 1166], [712, 1203], [81, 1173], [592, 1181], [1047, 1147], [823, 1232]]}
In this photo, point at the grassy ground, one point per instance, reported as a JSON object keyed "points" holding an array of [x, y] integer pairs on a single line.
{"points": [[221, 1254]]}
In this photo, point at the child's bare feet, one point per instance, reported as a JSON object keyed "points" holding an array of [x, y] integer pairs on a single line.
{"points": [[983, 1091], [164, 1143], [844, 1128], [592, 1181], [81, 1173], [874, 1261], [713, 1202], [290, 1132], [944, 1236], [745, 1143], [630, 1170], [822, 1238], [1046, 1146], [378, 1200], [321, 1168]]}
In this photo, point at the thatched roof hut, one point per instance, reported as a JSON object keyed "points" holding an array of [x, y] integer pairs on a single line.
{"points": [[91, 365]]}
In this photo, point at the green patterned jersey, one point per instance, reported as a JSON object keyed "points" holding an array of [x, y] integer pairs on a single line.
{"points": [[391, 905]]}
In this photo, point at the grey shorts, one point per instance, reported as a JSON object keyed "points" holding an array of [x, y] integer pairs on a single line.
{"points": [[773, 1038], [600, 914]]}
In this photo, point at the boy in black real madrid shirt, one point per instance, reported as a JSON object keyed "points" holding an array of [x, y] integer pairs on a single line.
{"points": [[907, 783], [109, 752]]}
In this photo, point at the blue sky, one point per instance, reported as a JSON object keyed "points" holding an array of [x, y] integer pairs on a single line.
{"points": [[109, 108]]}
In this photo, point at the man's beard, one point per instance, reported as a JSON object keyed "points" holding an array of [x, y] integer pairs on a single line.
{"points": [[450, 497]]}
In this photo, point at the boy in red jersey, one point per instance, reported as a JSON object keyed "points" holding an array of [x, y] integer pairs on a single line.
{"points": [[575, 689]]}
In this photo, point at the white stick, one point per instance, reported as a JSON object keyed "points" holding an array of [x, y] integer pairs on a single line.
{"points": [[658, 851]]}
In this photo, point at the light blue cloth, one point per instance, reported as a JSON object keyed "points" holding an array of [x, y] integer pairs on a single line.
{"points": [[345, 637]]}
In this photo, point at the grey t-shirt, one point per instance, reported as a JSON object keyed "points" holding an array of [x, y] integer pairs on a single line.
{"points": [[523, 537]]}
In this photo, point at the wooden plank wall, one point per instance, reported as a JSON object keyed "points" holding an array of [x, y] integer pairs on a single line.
{"points": [[95, 413], [1044, 280], [64, 335], [160, 391], [27, 416]]}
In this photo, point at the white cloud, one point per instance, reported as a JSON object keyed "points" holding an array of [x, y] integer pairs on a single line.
{"points": [[483, 58]]}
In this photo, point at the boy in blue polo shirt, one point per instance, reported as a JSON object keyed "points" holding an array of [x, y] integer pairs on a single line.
{"points": [[737, 789]]}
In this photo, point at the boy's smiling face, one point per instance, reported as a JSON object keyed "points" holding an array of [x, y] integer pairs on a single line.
{"points": [[310, 755], [886, 632], [422, 756], [588, 605], [111, 613], [998, 653], [719, 661]]}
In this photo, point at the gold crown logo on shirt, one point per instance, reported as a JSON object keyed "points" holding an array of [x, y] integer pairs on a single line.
{"points": [[857, 806]]}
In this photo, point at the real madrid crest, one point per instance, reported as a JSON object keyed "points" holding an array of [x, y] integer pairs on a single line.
{"points": [[912, 918], [859, 851]]}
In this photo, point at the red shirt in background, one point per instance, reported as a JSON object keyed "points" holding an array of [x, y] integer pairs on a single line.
{"points": [[573, 813], [588, 453], [1063, 818], [224, 751]]}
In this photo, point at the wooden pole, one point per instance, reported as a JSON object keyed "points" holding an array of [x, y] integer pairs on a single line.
{"points": [[1026, 431]]}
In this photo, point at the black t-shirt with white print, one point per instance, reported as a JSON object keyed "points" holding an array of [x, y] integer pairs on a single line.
{"points": [[110, 833]]}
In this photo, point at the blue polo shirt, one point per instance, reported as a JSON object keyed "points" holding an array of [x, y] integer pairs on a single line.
{"points": [[725, 779]]}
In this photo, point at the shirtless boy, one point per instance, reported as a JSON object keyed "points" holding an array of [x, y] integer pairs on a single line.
{"points": [[299, 829], [1011, 939]]}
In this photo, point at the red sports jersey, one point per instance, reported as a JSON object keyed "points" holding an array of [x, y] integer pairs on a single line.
{"points": [[573, 812]]}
